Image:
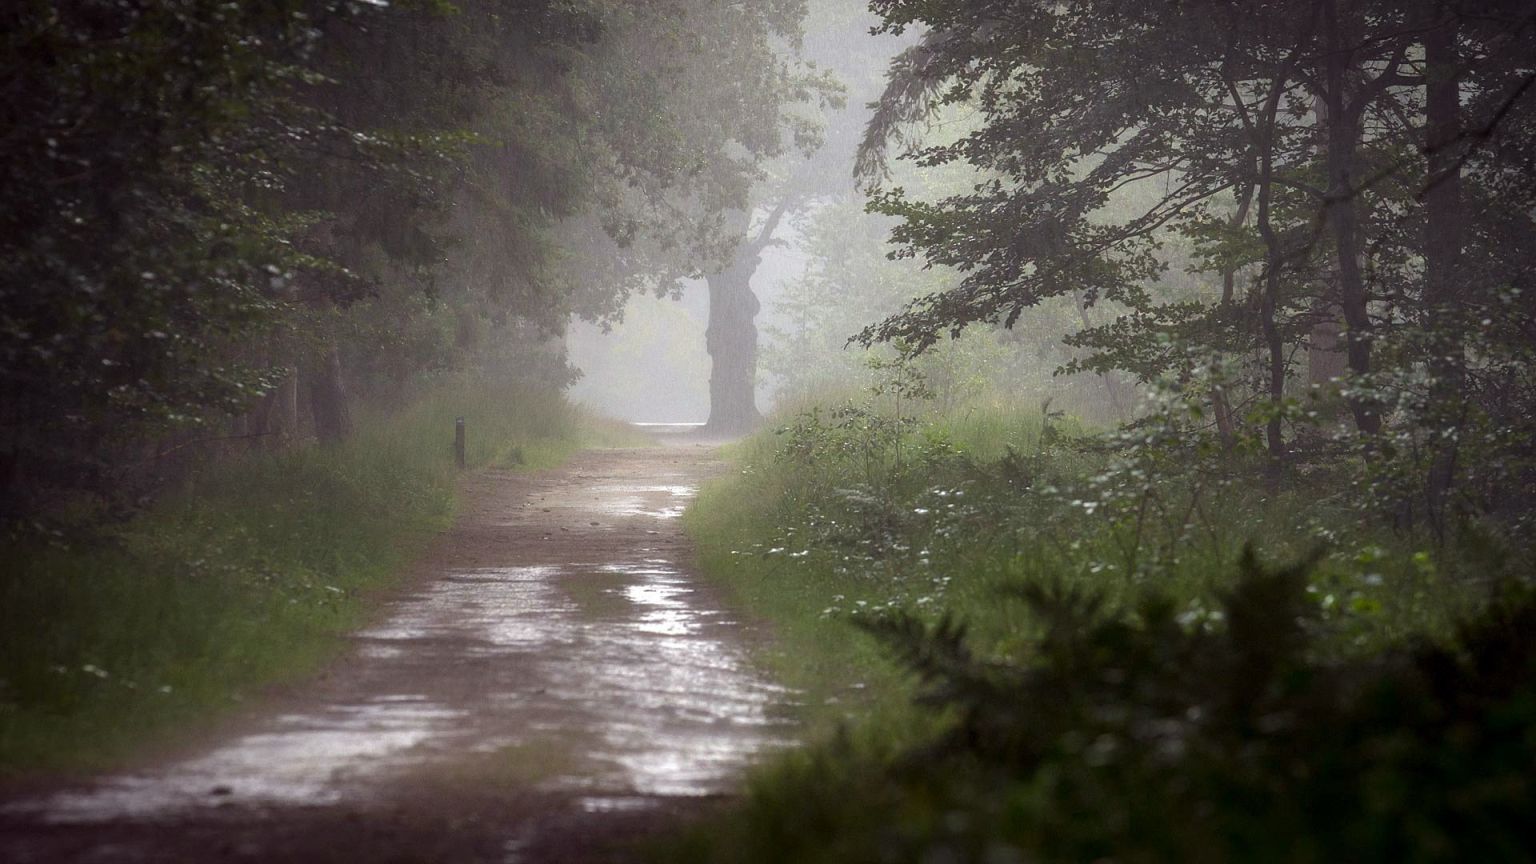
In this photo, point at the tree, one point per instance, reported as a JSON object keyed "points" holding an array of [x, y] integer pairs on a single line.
{"points": [[206, 203], [713, 116], [1069, 146], [732, 335], [1084, 107], [128, 256]]}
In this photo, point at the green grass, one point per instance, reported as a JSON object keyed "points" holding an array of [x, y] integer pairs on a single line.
{"points": [[823, 523], [845, 515], [245, 575]]}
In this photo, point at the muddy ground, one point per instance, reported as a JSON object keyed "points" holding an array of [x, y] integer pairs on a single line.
{"points": [[553, 685]]}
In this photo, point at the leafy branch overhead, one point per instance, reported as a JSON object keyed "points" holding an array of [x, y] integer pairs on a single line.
{"points": [[1235, 180]]}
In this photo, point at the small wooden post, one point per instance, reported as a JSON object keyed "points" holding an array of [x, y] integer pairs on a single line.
{"points": [[458, 441]]}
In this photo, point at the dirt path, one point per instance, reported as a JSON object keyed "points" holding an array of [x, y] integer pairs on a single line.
{"points": [[555, 683]]}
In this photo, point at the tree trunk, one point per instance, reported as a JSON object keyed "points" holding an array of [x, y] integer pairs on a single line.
{"points": [[1274, 345], [732, 335], [1327, 361], [1343, 211], [732, 343], [328, 399], [1111, 386], [275, 417], [1443, 242], [1226, 423], [1274, 264], [287, 411]]}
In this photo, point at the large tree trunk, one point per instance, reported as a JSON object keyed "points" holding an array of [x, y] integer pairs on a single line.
{"points": [[1443, 242], [328, 399], [732, 343], [275, 418], [732, 335], [1343, 211]]}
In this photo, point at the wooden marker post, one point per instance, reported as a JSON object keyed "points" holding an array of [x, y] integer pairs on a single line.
{"points": [[458, 441]]}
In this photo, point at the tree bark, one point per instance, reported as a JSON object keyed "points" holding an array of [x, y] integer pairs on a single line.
{"points": [[287, 398], [275, 417], [1274, 264], [732, 343], [1443, 242], [1111, 386], [1342, 208], [1226, 423], [732, 335], [1327, 361], [328, 399], [1274, 342]]}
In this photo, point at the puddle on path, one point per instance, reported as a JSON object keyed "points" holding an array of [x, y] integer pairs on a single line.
{"points": [[602, 657], [629, 500]]}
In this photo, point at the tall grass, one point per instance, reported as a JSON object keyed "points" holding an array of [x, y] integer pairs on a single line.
{"points": [[244, 575], [850, 513], [847, 511]]}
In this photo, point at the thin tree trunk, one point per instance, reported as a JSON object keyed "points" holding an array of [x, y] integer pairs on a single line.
{"points": [[328, 399], [1443, 242], [1274, 343], [1226, 425], [1343, 211], [1274, 264], [1111, 387], [288, 407]]}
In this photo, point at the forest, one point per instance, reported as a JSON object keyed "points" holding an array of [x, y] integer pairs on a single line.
{"points": [[768, 431]]}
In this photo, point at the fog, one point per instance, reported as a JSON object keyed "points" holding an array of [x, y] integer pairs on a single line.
{"points": [[652, 367], [768, 431]]}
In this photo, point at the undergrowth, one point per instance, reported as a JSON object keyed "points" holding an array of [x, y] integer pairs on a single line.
{"points": [[1130, 551], [244, 574], [1131, 735]]}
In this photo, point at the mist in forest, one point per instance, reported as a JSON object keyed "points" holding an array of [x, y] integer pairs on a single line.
{"points": [[650, 363], [768, 431], [652, 367]]}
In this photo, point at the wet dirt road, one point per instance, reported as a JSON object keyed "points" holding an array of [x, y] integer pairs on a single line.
{"points": [[554, 683]]}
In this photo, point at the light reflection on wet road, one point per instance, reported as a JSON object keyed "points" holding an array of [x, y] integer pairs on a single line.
{"points": [[565, 646]]}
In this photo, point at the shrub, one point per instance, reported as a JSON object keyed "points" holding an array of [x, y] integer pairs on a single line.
{"points": [[1143, 735]]}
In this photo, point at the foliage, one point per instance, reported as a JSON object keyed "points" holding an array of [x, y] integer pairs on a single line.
{"points": [[1141, 736], [207, 203], [849, 279], [1060, 728], [126, 256], [1255, 184], [248, 573]]}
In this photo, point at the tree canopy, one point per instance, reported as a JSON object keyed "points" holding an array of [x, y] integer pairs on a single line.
{"points": [[207, 203], [1237, 183]]}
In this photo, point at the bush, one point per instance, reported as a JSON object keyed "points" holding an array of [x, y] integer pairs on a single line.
{"points": [[119, 632], [1138, 736]]}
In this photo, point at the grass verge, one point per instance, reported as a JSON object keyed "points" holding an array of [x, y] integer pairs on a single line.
{"points": [[244, 575], [850, 520]]}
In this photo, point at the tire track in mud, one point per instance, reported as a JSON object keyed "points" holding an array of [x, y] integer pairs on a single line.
{"points": [[554, 681]]}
